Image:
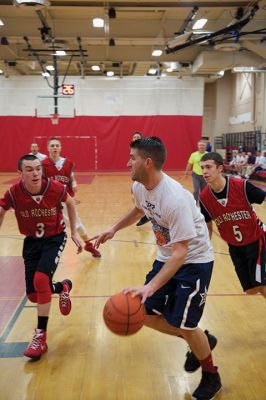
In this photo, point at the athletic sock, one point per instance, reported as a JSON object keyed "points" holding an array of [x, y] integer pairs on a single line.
{"points": [[42, 323], [207, 365]]}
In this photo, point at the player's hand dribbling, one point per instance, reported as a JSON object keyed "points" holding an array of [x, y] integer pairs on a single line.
{"points": [[77, 243], [143, 291], [103, 237]]}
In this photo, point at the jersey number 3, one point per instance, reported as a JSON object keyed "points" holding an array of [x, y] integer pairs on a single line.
{"points": [[40, 230], [237, 233]]}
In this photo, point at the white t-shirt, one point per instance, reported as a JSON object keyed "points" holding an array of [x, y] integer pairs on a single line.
{"points": [[59, 163], [261, 161], [174, 217], [40, 156]]}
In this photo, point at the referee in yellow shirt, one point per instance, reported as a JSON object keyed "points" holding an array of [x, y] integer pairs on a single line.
{"points": [[194, 166]]}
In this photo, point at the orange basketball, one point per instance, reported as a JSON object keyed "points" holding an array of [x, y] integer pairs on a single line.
{"points": [[123, 314]]}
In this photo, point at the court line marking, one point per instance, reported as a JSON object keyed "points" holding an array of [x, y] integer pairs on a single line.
{"points": [[13, 319], [103, 296], [13, 349], [134, 242]]}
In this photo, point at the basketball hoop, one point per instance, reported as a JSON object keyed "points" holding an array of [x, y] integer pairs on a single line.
{"points": [[54, 119]]}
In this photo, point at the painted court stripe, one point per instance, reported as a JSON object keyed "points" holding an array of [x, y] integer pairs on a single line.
{"points": [[16, 349], [13, 319], [135, 242], [9, 349], [107, 296]]}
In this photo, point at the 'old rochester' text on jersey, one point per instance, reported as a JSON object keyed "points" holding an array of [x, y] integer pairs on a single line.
{"points": [[38, 212], [232, 216]]}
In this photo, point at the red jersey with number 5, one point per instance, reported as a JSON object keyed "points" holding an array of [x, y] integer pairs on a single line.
{"points": [[62, 175], [234, 216], [37, 215]]}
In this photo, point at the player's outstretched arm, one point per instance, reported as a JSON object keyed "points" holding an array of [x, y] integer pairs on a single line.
{"points": [[130, 218], [72, 220], [103, 237], [2, 215], [74, 183]]}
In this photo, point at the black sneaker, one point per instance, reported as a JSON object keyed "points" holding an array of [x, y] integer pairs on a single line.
{"points": [[192, 363], [143, 221], [209, 386]]}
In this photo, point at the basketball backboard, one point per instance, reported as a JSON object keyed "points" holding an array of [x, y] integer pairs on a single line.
{"points": [[55, 107]]}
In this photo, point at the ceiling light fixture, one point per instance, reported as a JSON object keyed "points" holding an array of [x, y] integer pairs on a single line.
{"points": [[248, 69], [157, 53], [95, 68], [31, 3], [60, 53], [198, 32], [1, 22], [98, 22], [1, 71], [45, 74], [152, 71], [110, 73], [199, 23], [49, 67]]}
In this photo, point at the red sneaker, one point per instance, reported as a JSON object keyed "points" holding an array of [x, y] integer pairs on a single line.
{"points": [[89, 247], [64, 299], [38, 345]]}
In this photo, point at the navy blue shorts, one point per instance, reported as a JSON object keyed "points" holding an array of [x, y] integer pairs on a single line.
{"points": [[182, 299], [42, 255]]}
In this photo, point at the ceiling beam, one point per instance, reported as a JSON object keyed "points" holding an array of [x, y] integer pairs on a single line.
{"points": [[256, 48], [143, 4]]}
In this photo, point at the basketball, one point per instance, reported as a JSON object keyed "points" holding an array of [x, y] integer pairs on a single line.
{"points": [[123, 314]]}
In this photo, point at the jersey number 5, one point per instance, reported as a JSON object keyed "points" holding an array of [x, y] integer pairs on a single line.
{"points": [[237, 233], [40, 230]]}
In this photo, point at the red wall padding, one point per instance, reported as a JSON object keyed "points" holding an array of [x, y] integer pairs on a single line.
{"points": [[113, 135]]}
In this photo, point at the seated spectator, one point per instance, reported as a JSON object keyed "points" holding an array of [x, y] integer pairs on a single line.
{"points": [[260, 164], [243, 162], [249, 166], [235, 160]]}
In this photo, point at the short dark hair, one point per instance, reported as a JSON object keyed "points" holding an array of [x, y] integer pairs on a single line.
{"points": [[27, 157], [216, 157], [151, 147]]}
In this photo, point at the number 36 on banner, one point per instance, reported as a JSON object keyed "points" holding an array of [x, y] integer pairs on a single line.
{"points": [[68, 90]]}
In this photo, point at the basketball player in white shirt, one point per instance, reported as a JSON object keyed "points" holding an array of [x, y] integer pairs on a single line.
{"points": [[175, 289]]}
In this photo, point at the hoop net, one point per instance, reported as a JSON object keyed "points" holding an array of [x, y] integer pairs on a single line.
{"points": [[54, 119]]}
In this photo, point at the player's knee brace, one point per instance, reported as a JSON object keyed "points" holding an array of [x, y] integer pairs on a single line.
{"points": [[32, 297], [42, 287]]}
